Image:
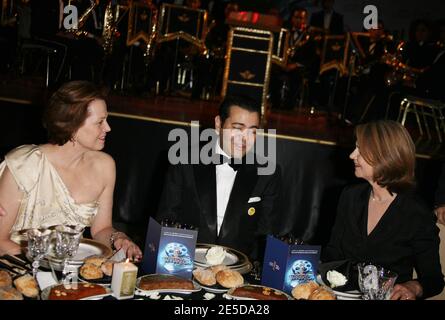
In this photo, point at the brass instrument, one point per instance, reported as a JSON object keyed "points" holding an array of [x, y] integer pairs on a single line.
{"points": [[78, 32], [401, 72], [112, 17], [298, 44], [147, 36], [86, 14], [109, 28]]}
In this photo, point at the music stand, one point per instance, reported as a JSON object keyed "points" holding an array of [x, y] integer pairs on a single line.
{"points": [[335, 53], [280, 47], [141, 23], [179, 22]]}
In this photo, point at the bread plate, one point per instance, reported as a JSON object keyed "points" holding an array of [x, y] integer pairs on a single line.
{"points": [[234, 259]]}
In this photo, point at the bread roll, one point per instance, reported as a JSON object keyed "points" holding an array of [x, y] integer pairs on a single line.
{"points": [[5, 279], [107, 268], [218, 268], [27, 286], [96, 260], [304, 290], [229, 278], [322, 294], [10, 294], [205, 276], [90, 271]]}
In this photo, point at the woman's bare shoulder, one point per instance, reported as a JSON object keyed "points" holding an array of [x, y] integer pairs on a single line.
{"points": [[101, 161]]}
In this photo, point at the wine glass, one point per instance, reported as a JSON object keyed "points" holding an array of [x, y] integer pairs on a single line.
{"points": [[375, 282], [67, 240], [38, 245]]}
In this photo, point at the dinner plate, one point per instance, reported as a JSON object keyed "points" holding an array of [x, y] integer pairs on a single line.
{"points": [[197, 287], [231, 296], [213, 289], [87, 247], [45, 293], [104, 281], [342, 295], [233, 259]]}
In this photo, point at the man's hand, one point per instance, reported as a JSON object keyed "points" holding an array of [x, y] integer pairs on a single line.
{"points": [[440, 213]]}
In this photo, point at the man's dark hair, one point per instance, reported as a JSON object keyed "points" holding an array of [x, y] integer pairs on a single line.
{"points": [[244, 102]]}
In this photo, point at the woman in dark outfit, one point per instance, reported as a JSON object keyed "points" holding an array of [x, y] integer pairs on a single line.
{"points": [[382, 221]]}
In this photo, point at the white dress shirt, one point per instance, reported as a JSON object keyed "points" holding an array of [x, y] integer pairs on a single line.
{"points": [[225, 177]]}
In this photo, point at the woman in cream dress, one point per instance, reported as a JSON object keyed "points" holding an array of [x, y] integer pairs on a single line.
{"points": [[67, 181]]}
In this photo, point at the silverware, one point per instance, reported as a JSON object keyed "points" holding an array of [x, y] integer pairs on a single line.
{"points": [[15, 268], [18, 261]]}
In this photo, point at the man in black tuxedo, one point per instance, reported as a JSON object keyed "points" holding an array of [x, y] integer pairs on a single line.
{"points": [[232, 205], [328, 19]]}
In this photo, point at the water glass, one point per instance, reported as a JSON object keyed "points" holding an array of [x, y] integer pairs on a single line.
{"points": [[38, 246], [67, 240], [375, 282]]}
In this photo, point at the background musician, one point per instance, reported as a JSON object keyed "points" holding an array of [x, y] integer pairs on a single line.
{"points": [[303, 63], [210, 67], [372, 47], [328, 19], [83, 53]]}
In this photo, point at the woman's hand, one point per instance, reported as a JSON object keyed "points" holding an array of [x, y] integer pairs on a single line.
{"points": [[409, 290], [440, 213], [130, 248]]}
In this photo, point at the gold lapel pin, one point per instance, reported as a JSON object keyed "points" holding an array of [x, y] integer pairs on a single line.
{"points": [[251, 211]]}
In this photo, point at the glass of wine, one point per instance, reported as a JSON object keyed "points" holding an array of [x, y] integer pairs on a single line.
{"points": [[38, 246], [67, 240]]}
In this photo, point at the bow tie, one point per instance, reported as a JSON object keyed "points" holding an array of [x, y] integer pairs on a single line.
{"points": [[231, 162]]}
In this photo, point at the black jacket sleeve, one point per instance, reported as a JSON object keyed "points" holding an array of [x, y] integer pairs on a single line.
{"points": [[440, 191], [170, 205], [333, 251], [425, 246]]}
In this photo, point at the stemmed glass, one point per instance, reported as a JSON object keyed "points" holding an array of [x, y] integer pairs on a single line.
{"points": [[67, 240], [38, 246], [375, 282]]}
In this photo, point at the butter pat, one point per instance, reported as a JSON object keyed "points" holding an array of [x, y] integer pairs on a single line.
{"points": [[336, 279], [215, 255]]}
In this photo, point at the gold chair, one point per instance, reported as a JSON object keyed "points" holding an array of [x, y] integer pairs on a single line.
{"points": [[426, 112]]}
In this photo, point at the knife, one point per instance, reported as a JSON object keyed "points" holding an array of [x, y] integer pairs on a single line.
{"points": [[11, 269], [18, 261]]}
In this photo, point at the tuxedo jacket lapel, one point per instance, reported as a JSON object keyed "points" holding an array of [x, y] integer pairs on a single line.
{"points": [[245, 181], [205, 180]]}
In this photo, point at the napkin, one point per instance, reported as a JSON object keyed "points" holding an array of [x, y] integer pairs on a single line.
{"points": [[45, 280], [346, 267]]}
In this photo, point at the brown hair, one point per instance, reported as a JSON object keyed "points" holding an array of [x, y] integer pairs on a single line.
{"points": [[387, 146], [67, 109]]}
